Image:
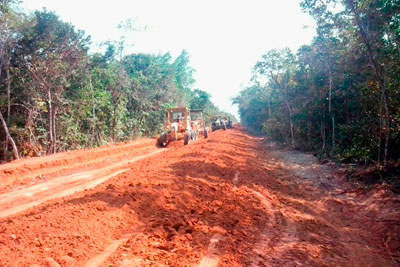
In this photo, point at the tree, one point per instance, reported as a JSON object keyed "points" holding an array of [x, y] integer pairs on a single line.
{"points": [[183, 76], [374, 24], [342, 87], [7, 35], [200, 99], [52, 53], [57, 97], [279, 67]]}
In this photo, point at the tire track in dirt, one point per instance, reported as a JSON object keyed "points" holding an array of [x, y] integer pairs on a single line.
{"points": [[211, 259], [35, 170], [29, 197], [280, 232], [65, 192], [235, 180], [274, 232], [99, 259], [269, 235]]}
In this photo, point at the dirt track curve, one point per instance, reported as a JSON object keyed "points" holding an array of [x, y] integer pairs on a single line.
{"points": [[230, 200]]}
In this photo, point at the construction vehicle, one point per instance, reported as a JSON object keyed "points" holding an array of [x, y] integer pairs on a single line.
{"points": [[177, 127], [228, 122], [198, 123], [218, 123]]}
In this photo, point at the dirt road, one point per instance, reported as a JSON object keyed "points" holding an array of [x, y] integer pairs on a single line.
{"points": [[230, 200]]}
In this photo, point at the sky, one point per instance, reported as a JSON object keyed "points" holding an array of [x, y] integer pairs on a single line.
{"points": [[224, 38]]}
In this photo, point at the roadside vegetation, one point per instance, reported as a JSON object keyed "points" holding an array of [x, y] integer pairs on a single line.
{"points": [[56, 96], [340, 95]]}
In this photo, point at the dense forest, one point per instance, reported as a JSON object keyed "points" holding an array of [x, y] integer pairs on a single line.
{"points": [[56, 96], [340, 95]]}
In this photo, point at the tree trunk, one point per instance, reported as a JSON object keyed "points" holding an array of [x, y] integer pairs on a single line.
{"points": [[284, 89], [387, 136], [323, 133], [7, 67], [114, 123], [93, 113], [330, 91], [8, 91], [309, 128], [269, 107], [330, 107], [5, 148], [93, 125], [290, 121], [14, 147], [290, 118], [383, 124], [53, 119], [50, 112], [333, 132]]}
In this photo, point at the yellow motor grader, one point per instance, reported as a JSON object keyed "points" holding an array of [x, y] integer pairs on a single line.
{"points": [[177, 127], [182, 124], [198, 123], [218, 123]]}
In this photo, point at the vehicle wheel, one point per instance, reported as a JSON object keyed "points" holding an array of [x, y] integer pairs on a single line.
{"points": [[205, 133], [162, 141], [186, 138]]}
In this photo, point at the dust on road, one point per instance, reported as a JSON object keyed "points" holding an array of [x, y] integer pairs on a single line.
{"points": [[230, 200]]}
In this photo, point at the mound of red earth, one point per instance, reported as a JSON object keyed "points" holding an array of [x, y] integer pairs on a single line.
{"points": [[229, 200]]}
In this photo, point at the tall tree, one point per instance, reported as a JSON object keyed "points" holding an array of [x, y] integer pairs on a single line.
{"points": [[183, 75], [7, 41], [279, 67], [52, 52]]}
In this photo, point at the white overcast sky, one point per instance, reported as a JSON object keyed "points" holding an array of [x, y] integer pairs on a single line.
{"points": [[224, 38]]}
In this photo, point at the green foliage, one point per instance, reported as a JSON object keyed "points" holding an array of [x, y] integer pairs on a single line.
{"points": [[200, 100], [340, 93], [64, 98]]}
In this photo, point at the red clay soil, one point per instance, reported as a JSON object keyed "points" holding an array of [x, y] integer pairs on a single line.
{"points": [[36, 170], [230, 200]]}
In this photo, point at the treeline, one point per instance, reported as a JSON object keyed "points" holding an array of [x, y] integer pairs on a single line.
{"points": [[55, 96], [340, 95]]}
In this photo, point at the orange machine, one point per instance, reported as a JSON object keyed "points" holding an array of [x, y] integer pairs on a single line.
{"points": [[177, 127], [198, 123]]}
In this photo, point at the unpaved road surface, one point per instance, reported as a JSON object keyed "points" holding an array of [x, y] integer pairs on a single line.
{"points": [[230, 200]]}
